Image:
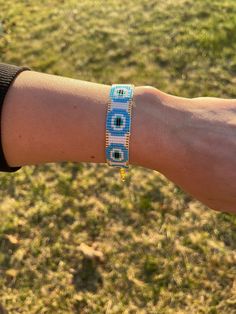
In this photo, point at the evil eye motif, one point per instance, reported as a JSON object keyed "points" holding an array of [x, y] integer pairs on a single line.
{"points": [[121, 93], [117, 152], [118, 122]]}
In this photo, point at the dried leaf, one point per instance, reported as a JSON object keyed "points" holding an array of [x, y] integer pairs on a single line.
{"points": [[91, 253], [13, 239], [12, 272]]}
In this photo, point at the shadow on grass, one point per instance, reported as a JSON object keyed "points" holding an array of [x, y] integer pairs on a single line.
{"points": [[2, 310], [88, 276]]}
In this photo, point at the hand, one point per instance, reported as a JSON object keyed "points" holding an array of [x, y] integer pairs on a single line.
{"points": [[193, 143]]}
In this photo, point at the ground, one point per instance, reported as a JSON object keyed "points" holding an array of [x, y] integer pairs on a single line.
{"points": [[73, 237]]}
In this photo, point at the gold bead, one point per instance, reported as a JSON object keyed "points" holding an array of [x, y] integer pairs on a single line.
{"points": [[122, 174]]}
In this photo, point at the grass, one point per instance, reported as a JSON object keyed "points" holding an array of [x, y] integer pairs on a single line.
{"points": [[73, 238]]}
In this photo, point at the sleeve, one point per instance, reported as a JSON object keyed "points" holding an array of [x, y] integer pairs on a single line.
{"points": [[8, 73]]}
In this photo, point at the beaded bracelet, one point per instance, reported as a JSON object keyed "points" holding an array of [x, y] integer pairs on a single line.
{"points": [[118, 123]]}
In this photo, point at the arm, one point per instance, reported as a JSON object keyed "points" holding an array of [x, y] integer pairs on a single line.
{"points": [[48, 118]]}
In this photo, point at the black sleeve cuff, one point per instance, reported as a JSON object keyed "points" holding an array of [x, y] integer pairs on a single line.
{"points": [[8, 73]]}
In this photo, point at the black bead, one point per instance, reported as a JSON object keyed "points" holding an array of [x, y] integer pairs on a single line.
{"points": [[118, 121], [117, 155]]}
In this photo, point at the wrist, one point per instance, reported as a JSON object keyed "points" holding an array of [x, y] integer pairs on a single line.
{"points": [[157, 120], [149, 128]]}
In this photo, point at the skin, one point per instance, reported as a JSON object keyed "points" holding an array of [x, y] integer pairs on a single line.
{"points": [[199, 147], [48, 118]]}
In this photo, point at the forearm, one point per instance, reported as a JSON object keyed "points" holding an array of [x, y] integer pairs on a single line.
{"points": [[49, 118]]}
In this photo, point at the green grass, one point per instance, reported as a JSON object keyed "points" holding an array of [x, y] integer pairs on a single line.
{"points": [[154, 249]]}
